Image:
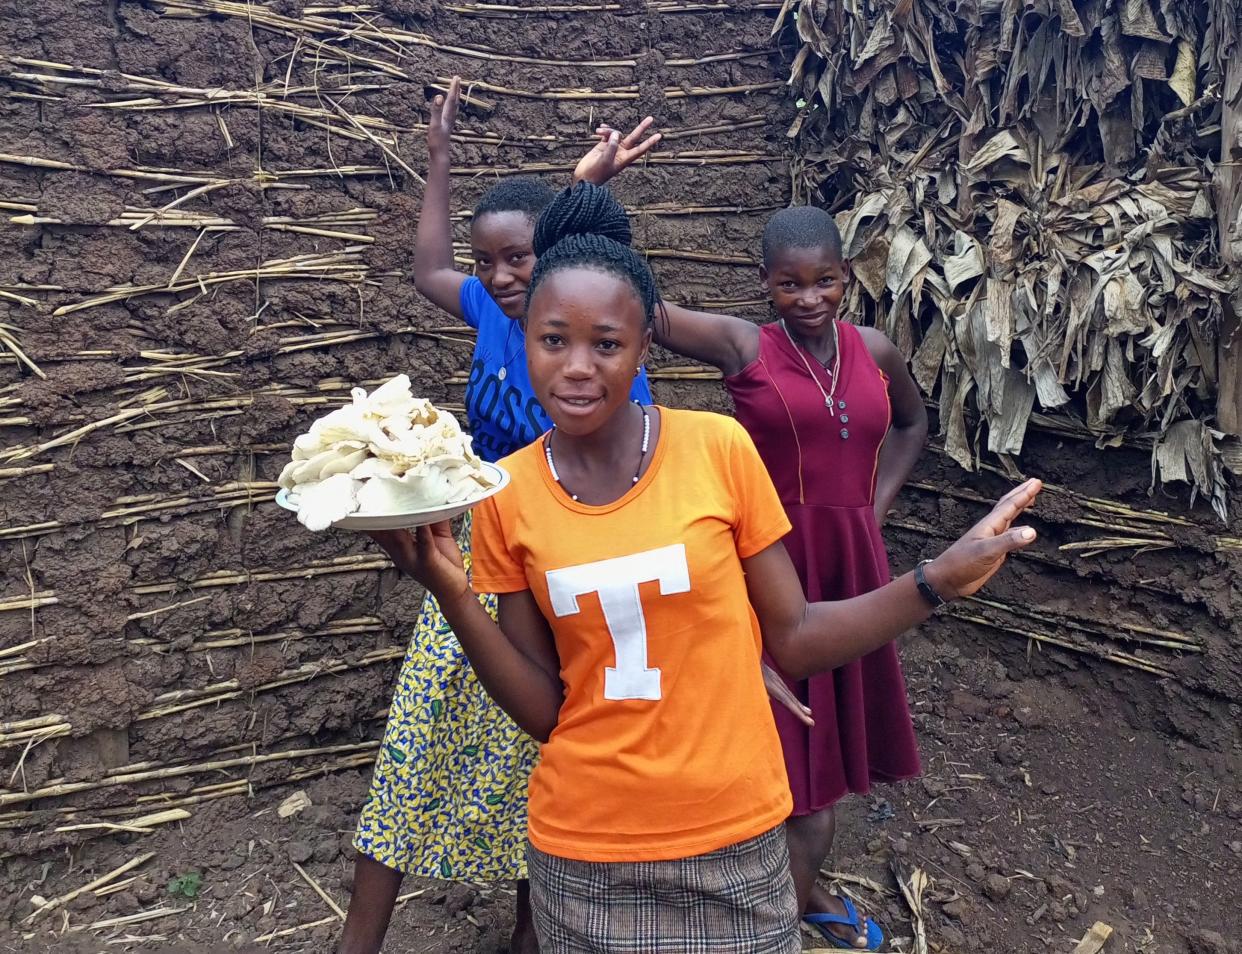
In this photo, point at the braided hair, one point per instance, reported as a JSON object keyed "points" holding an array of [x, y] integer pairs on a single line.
{"points": [[520, 194], [585, 227], [801, 226]]}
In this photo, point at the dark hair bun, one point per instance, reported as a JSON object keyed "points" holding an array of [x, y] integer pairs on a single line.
{"points": [[583, 209], [585, 227]]}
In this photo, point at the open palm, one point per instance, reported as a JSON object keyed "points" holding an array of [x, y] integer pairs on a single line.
{"points": [[976, 556]]}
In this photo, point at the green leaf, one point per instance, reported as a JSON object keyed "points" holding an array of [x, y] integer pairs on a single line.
{"points": [[186, 885]]}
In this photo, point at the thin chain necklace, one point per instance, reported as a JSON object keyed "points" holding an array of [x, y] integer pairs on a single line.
{"points": [[835, 373], [547, 451]]}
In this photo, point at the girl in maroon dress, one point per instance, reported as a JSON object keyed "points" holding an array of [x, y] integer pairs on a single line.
{"points": [[839, 422]]}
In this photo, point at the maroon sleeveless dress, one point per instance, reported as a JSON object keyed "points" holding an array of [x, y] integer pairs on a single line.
{"points": [[824, 467]]}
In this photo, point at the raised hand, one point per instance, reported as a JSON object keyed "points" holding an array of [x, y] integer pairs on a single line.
{"points": [[429, 555], [443, 116], [614, 152], [970, 562]]}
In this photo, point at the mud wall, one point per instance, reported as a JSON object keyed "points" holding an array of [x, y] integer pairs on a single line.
{"points": [[212, 210], [209, 213]]}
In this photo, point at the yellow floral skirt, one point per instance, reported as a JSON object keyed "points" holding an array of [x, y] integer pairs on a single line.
{"points": [[448, 794]]}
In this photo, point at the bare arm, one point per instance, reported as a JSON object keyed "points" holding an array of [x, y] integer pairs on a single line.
{"points": [[908, 434], [516, 662], [435, 274], [510, 659], [808, 638], [723, 341]]}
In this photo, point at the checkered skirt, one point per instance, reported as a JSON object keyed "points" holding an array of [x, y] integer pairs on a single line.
{"points": [[738, 900]]}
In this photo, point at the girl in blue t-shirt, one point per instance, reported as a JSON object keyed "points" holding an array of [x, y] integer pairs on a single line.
{"points": [[448, 794]]}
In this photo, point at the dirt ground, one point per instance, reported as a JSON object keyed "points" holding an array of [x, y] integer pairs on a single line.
{"points": [[171, 643], [1043, 809]]}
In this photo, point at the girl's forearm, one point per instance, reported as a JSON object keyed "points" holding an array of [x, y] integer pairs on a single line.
{"points": [[829, 635], [516, 682], [808, 638], [433, 243]]}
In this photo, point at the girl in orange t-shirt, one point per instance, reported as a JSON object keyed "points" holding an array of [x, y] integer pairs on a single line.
{"points": [[640, 573]]}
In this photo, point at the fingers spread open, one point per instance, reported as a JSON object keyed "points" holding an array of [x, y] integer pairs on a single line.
{"points": [[642, 149], [1024, 494], [637, 132], [611, 146]]}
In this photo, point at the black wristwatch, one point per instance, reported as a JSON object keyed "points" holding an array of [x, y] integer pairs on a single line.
{"points": [[926, 590]]}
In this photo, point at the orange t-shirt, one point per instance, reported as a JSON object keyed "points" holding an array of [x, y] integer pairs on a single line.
{"points": [[665, 745]]}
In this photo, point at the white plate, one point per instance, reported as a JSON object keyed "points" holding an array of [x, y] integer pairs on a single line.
{"points": [[361, 520]]}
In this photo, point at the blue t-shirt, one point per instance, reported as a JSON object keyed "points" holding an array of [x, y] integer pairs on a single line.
{"points": [[501, 406]]}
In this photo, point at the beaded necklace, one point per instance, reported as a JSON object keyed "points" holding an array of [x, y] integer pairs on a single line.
{"points": [[547, 452]]}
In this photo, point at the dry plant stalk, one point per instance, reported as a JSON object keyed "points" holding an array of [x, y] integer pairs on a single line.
{"points": [[137, 826], [129, 775], [318, 889], [363, 29], [311, 925], [138, 918], [1095, 939], [494, 10], [142, 805], [912, 885], [99, 882]]}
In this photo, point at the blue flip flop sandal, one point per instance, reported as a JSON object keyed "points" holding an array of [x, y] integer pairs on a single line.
{"points": [[873, 933]]}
